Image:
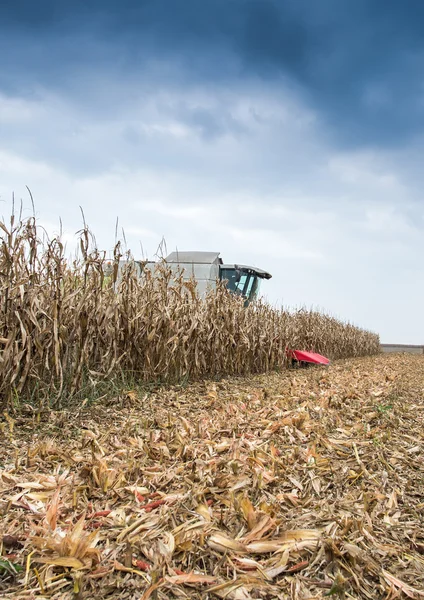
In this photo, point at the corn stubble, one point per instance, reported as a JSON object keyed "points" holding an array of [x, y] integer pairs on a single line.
{"points": [[292, 486], [64, 324]]}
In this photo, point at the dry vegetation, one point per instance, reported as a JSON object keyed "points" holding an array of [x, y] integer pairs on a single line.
{"points": [[301, 485], [64, 327]]}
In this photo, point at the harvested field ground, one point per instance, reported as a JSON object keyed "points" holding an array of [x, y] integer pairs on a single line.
{"points": [[301, 485]]}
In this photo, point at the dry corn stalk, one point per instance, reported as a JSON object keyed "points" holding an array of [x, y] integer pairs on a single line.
{"points": [[63, 325]]}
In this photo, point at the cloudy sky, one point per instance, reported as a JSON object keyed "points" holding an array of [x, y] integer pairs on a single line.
{"points": [[287, 134]]}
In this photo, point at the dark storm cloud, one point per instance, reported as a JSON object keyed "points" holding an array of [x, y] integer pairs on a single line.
{"points": [[359, 64]]}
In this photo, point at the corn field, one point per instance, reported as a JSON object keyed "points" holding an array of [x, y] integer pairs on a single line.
{"points": [[65, 323]]}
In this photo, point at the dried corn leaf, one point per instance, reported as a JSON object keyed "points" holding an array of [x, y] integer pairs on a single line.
{"points": [[62, 561], [222, 543]]}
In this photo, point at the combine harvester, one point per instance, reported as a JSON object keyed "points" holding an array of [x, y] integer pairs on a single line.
{"points": [[206, 268]]}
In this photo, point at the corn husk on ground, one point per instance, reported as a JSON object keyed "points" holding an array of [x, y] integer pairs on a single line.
{"points": [[64, 327], [303, 485]]}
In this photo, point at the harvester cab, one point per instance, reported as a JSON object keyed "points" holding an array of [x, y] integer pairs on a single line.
{"points": [[243, 280]]}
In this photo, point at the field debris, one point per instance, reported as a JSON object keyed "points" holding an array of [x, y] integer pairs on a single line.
{"points": [[304, 485]]}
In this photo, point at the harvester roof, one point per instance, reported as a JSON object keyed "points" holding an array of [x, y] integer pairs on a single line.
{"points": [[254, 270]]}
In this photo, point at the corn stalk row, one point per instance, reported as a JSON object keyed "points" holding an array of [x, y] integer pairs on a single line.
{"points": [[64, 323]]}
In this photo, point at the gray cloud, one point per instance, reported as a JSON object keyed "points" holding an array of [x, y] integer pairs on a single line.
{"points": [[358, 65]]}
